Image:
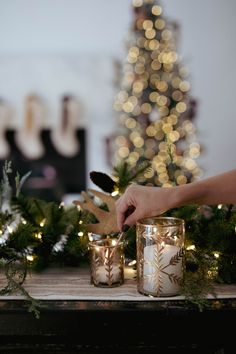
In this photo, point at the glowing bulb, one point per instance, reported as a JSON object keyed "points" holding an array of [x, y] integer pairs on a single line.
{"points": [[30, 258], [113, 242], [38, 235], [130, 264], [219, 206], [42, 223], [156, 10], [116, 192], [137, 3], [181, 107], [81, 222], [191, 248], [10, 229], [147, 25], [216, 255], [80, 234], [90, 237]]}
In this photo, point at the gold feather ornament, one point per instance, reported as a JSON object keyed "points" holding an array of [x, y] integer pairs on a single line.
{"points": [[107, 222]]}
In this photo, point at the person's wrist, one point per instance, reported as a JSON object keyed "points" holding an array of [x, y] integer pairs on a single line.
{"points": [[176, 197]]}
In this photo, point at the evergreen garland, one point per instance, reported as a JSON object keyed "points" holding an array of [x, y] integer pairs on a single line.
{"points": [[35, 234]]}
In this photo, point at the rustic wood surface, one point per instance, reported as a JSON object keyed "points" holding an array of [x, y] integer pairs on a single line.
{"points": [[74, 284]]}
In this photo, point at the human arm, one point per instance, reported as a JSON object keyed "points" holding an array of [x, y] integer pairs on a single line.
{"points": [[150, 201]]}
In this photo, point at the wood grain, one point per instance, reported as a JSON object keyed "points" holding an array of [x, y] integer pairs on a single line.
{"points": [[74, 284]]}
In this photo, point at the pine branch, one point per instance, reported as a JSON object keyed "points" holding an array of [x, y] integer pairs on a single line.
{"points": [[23, 206], [16, 274], [8, 253], [126, 175], [195, 287], [141, 169], [39, 204], [23, 237], [20, 181], [229, 211], [122, 173]]}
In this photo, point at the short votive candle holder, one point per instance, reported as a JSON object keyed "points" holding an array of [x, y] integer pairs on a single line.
{"points": [[106, 263], [160, 251]]}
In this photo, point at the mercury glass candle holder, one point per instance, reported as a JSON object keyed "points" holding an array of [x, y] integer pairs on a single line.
{"points": [[160, 251], [106, 263]]}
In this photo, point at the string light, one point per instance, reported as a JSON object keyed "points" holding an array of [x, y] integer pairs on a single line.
{"points": [[38, 235], [42, 223], [10, 229], [191, 248], [90, 237], [113, 242], [30, 258], [116, 192]]}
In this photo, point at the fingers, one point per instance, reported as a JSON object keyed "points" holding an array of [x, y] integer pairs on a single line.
{"points": [[123, 209], [120, 221], [120, 212], [132, 218]]}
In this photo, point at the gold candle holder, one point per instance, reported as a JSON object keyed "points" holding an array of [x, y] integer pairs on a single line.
{"points": [[160, 246], [106, 263]]}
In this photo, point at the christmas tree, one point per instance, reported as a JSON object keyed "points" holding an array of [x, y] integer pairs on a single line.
{"points": [[154, 103]]}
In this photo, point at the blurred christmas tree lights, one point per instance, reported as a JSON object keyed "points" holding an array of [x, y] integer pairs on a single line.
{"points": [[154, 103]]}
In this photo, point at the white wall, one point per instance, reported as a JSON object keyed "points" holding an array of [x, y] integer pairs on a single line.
{"points": [[51, 76], [95, 31], [208, 46]]}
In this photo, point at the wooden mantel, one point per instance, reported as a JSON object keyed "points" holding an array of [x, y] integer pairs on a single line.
{"points": [[74, 284], [77, 317]]}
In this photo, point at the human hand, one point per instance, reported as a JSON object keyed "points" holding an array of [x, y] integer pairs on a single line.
{"points": [[143, 201]]}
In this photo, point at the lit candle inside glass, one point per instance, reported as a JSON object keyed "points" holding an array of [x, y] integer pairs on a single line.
{"points": [[108, 273], [103, 275], [160, 244], [107, 263], [162, 269]]}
